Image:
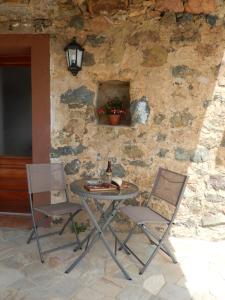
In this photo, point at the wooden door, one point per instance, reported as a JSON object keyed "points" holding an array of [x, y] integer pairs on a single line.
{"points": [[13, 184], [33, 51]]}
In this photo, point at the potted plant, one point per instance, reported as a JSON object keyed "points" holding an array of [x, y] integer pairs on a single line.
{"points": [[114, 109]]}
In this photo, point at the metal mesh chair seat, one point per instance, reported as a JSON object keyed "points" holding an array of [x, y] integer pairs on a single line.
{"points": [[143, 215], [168, 187], [59, 209]]}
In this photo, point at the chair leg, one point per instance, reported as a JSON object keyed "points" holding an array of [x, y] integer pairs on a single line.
{"points": [[30, 236], [115, 250], [149, 260], [163, 247], [70, 219], [128, 236], [37, 237], [103, 215], [32, 230], [169, 253], [65, 225], [159, 246]]}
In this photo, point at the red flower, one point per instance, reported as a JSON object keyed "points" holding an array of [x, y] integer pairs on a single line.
{"points": [[114, 111], [114, 106], [101, 110]]}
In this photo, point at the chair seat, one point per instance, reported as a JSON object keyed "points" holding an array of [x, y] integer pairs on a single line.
{"points": [[59, 208], [142, 215]]}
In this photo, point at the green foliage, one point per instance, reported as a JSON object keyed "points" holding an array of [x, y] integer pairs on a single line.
{"points": [[79, 227], [114, 106]]}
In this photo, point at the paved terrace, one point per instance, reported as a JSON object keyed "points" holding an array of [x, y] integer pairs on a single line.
{"points": [[200, 273]]}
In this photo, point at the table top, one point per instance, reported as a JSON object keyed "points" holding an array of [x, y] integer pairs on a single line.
{"points": [[131, 191]]}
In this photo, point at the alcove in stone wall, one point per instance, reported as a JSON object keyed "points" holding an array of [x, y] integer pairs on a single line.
{"points": [[108, 90]]}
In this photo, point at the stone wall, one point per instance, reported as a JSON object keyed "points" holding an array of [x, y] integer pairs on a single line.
{"points": [[172, 53]]}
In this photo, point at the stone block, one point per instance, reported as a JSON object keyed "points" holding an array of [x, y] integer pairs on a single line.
{"points": [[185, 35], [140, 111], [215, 197], [82, 5], [89, 59], [206, 103], [155, 56], [159, 118], [89, 165], [168, 19], [162, 152], [137, 12], [184, 17], [14, 2], [100, 24], [200, 6], [182, 154], [67, 150], [217, 182], [181, 119], [200, 155], [77, 22], [118, 170], [79, 97], [169, 5], [95, 40], [142, 37], [73, 167], [160, 137], [211, 20], [3, 19], [40, 24], [182, 71], [209, 221], [97, 6], [138, 163], [222, 144], [133, 151]]}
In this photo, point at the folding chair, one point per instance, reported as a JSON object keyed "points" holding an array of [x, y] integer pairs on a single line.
{"points": [[169, 187], [46, 178]]}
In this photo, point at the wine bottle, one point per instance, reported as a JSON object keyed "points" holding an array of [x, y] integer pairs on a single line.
{"points": [[109, 172]]}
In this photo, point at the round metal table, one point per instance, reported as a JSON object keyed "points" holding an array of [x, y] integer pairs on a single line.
{"points": [[115, 198], [129, 192]]}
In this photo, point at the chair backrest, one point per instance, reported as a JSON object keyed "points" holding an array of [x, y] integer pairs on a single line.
{"points": [[169, 186], [45, 177]]}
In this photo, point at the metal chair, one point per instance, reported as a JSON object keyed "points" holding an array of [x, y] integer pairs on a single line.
{"points": [[46, 178], [169, 187]]}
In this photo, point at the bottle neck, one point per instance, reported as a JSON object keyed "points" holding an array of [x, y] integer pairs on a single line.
{"points": [[109, 167]]}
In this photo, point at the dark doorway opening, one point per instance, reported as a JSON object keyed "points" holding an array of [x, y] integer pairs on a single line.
{"points": [[15, 111]]}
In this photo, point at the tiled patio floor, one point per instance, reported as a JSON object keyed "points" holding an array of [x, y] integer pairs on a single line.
{"points": [[200, 273]]}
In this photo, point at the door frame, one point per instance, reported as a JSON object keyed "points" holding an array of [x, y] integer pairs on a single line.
{"points": [[37, 46]]}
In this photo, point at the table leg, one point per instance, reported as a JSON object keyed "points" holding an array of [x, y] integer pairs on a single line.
{"points": [[102, 237], [99, 235], [87, 238], [94, 232], [110, 227]]}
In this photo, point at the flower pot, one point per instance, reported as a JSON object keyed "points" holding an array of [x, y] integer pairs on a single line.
{"points": [[114, 119]]}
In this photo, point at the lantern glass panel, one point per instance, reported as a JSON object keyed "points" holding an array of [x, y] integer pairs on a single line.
{"points": [[68, 58], [79, 58], [73, 56]]}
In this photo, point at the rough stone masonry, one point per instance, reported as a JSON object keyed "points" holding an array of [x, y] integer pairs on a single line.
{"points": [[172, 53]]}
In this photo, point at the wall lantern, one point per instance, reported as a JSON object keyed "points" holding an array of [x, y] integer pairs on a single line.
{"points": [[74, 56]]}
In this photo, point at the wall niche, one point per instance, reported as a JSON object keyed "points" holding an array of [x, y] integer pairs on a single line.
{"points": [[109, 90]]}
